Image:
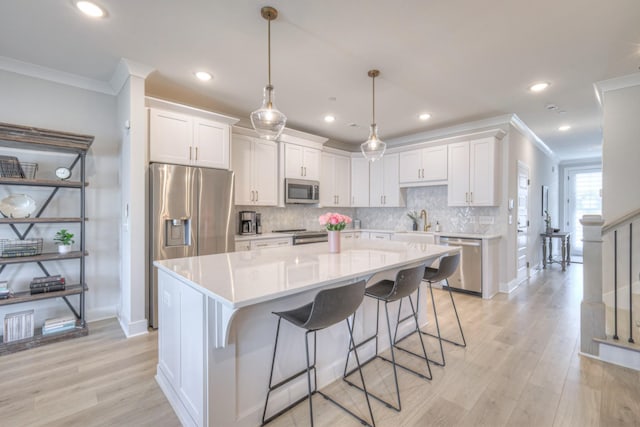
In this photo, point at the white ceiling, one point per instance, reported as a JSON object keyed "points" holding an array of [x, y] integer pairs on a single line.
{"points": [[458, 60]]}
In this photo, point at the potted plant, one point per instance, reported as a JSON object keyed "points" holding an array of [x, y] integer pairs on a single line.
{"points": [[64, 239], [334, 222], [414, 217]]}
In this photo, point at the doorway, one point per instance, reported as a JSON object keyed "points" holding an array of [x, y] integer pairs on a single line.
{"points": [[583, 190], [522, 213]]}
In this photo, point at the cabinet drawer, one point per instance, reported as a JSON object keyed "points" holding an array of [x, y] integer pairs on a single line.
{"points": [[270, 243], [379, 236]]}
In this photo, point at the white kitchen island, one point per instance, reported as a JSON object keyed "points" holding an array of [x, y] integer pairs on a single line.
{"points": [[216, 327]]}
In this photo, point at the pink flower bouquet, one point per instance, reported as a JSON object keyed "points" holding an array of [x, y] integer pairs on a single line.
{"points": [[334, 221]]}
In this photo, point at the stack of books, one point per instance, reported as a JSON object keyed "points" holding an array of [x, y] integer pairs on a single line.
{"points": [[18, 326], [58, 324], [5, 292], [41, 285]]}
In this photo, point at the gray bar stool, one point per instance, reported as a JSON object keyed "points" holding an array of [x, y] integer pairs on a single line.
{"points": [[448, 265], [406, 283], [329, 307]]}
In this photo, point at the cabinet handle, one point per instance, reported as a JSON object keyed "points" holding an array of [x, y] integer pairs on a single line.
{"points": [[257, 196], [338, 199], [353, 200], [283, 243], [305, 171], [418, 173], [252, 195], [301, 171], [381, 200], [190, 148], [471, 197], [385, 199], [422, 173], [466, 197], [196, 153], [261, 245]]}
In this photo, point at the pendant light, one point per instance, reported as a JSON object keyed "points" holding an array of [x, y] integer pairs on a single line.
{"points": [[373, 148], [267, 120]]}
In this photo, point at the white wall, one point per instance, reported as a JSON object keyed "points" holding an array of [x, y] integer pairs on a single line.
{"points": [[35, 102], [621, 152], [543, 170]]}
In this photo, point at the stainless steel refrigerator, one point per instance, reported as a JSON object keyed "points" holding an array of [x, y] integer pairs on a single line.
{"points": [[191, 213]]}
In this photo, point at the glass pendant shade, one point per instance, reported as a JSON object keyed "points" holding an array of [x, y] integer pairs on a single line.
{"points": [[373, 148], [267, 120]]}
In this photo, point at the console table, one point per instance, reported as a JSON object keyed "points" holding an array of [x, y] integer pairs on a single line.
{"points": [[565, 238]]}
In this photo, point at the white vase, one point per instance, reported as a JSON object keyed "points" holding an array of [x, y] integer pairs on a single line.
{"points": [[334, 242], [64, 249]]}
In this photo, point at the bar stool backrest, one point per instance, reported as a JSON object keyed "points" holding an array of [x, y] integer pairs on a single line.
{"points": [[448, 265], [331, 306], [407, 281]]}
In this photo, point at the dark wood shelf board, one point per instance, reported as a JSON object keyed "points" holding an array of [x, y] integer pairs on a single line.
{"points": [[51, 256], [38, 339], [26, 296], [16, 136], [42, 182], [39, 220]]}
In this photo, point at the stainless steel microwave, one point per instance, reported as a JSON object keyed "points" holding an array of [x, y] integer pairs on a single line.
{"points": [[301, 191]]}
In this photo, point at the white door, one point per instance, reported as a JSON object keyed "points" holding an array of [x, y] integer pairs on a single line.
{"points": [[242, 166], [458, 181], [359, 182], [327, 180], [343, 180], [265, 177], [583, 197], [211, 141], [522, 214]]}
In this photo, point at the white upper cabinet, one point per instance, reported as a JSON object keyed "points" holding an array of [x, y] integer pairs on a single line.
{"points": [[335, 180], [473, 178], [425, 166], [302, 162], [359, 182], [255, 163], [384, 182], [179, 134]]}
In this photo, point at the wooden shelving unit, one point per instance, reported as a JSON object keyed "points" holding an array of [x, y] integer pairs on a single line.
{"points": [[21, 137]]}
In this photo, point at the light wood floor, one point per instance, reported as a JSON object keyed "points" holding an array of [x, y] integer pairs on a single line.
{"points": [[521, 368]]}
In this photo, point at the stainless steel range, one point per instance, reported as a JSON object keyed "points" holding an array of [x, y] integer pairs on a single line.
{"points": [[302, 236]]}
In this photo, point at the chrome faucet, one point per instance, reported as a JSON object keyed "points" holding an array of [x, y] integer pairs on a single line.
{"points": [[425, 216]]}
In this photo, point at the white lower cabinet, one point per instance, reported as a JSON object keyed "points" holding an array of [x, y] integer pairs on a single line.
{"points": [[355, 235], [376, 235], [182, 320], [271, 243]]}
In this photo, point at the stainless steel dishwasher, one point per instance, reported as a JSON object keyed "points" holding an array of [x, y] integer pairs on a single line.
{"points": [[468, 277]]}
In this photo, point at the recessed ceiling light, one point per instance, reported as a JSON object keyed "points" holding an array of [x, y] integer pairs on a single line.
{"points": [[91, 9], [424, 116], [538, 87], [203, 75], [564, 128], [329, 118]]}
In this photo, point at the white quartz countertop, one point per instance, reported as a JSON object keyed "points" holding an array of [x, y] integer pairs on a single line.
{"points": [[240, 279]]}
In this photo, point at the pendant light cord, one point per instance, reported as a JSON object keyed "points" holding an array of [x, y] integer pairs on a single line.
{"points": [[269, 48], [373, 115]]}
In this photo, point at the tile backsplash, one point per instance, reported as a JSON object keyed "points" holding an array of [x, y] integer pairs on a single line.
{"points": [[433, 199]]}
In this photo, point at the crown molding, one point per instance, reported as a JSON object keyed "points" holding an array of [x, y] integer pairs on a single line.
{"points": [[524, 129], [616, 83], [56, 76], [125, 69]]}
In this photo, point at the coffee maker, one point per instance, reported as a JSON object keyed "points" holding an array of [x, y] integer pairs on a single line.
{"points": [[247, 222]]}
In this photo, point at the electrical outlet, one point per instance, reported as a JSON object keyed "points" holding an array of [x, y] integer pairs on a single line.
{"points": [[486, 220]]}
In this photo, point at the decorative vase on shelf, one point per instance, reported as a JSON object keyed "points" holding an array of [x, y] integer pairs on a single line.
{"points": [[549, 230], [64, 249], [334, 241]]}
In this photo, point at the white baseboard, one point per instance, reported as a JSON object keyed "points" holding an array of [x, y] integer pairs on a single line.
{"points": [[132, 329], [101, 313], [509, 287], [174, 400]]}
